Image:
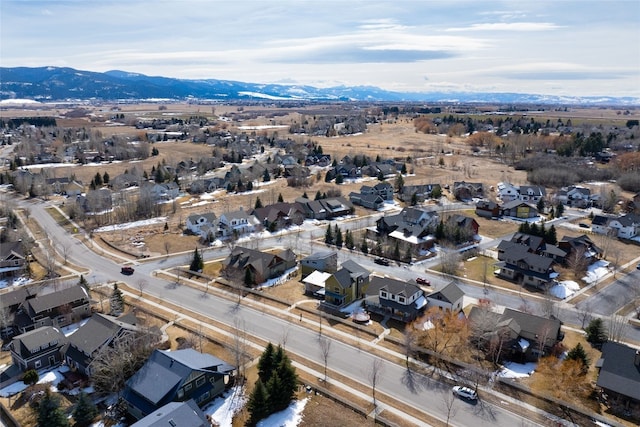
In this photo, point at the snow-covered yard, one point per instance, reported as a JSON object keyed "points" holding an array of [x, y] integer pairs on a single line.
{"points": [[564, 289], [517, 370], [596, 271]]}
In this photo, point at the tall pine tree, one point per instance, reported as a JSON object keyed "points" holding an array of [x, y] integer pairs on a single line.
{"points": [[116, 301], [49, 413], [85, 411]]}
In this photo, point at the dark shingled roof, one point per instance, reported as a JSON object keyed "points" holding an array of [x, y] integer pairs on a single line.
{"points": [[618, 372], [175, 414]]}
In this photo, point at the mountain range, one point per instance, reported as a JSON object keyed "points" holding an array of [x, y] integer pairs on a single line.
{"points": [[47, 84]]}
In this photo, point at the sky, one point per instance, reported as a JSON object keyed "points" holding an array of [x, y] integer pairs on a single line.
{"points": [[575, 48]]}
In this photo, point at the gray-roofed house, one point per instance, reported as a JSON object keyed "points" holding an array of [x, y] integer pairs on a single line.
{"points": [[531, 193], [537, 245], [326, 261], [581, 245], [12, 259], [487, 209], [401, 300], [619, 375], [526, 337], [38, 349], [58, 309], [99, 332], [346, 285], [10, 302], [237, 223], [201, 224], [519, 209], [369, 201], [600, 224], [626, 226], [281, 215], [467, 190], [450, 298], [422, 192], [260, 266], [176, 376], [175, 414], [516, 263]]}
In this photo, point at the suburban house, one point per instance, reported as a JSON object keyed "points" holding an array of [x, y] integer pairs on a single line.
{"points": [[581, 245], [99, 332], [10, 302], [467, 225], [467, 190], [280, 215], [176, 376], [326, 208], [536, 245], [626, 226], [422, 192], [175, 414], [507, 192], [164, 191], [237, 223], [519, 209], [516, 263], [531, 193], [449, 298], [411, 229], [259, 266], [401, 300], [369, 201], [619, 375], [346, 285], [487, 209], [600, 224], [202, 224], [524, 336], [12, 259], [326, 261], [57, 309], [95, 201], [382, 189], [38, 349], [574, 196]]}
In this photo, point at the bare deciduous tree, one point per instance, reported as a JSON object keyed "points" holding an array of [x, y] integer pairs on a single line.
{"points": [[448, 400], [325, 352], [142, 284], [375, 373], [240, 346], [617, 328]]}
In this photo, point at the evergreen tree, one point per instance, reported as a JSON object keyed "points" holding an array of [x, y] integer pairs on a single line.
{"points": [[83, 282], [305, 195], [277, 393], [328, 236], [436, 192], [596, 333], [159, 176], [348, 240], [250, 186], [258, 204], [403, 171], [534, 230], [116, 301], [339, 241], [49, 413], [399, 183], [265, 363], [265, 176], [414, 199], [339, 179], [85, 411], [280, 198], [380, 176], [551, 212], [105, 178], [166, 226], [318, 195], [30, 377], [440, 230], [197, 264], [248, 277], [550, 235], [578, 353], [540, 205], [364, 248], [98, 179], [258, 405], [559, 210]]}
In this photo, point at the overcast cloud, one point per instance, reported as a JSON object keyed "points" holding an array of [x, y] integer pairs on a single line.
{"points": [[584, 47]]}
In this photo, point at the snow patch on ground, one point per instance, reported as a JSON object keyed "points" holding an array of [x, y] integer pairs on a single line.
{"points": [[596, 271], [290, 417], [223, 408], [134, 224], [564, 289], [17, 281], [517, 370]]}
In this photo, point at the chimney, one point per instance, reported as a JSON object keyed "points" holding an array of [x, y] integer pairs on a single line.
{"points": [[636, 359]]}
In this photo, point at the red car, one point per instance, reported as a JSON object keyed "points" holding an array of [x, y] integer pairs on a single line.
{"points": [[127, 271], [423, 281]]}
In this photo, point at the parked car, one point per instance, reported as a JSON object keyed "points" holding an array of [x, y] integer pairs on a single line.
{"points": [[127, 271], [638, 267], [381, 261], [583, 225], [423, 281], [465, 393]]}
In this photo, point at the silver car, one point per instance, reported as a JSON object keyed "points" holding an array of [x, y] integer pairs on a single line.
{"points": [[465, 393]]}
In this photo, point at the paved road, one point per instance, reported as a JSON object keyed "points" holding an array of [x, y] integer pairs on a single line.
{"points": [[416, 390], [610, 299]]}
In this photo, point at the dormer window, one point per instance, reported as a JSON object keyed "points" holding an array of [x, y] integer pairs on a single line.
{"points": [[383, 294]]}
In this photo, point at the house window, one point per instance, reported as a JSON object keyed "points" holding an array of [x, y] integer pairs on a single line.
{"points": [[200, 381], [188, 387], [401, 300], [383, 294], [38, 364]]}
